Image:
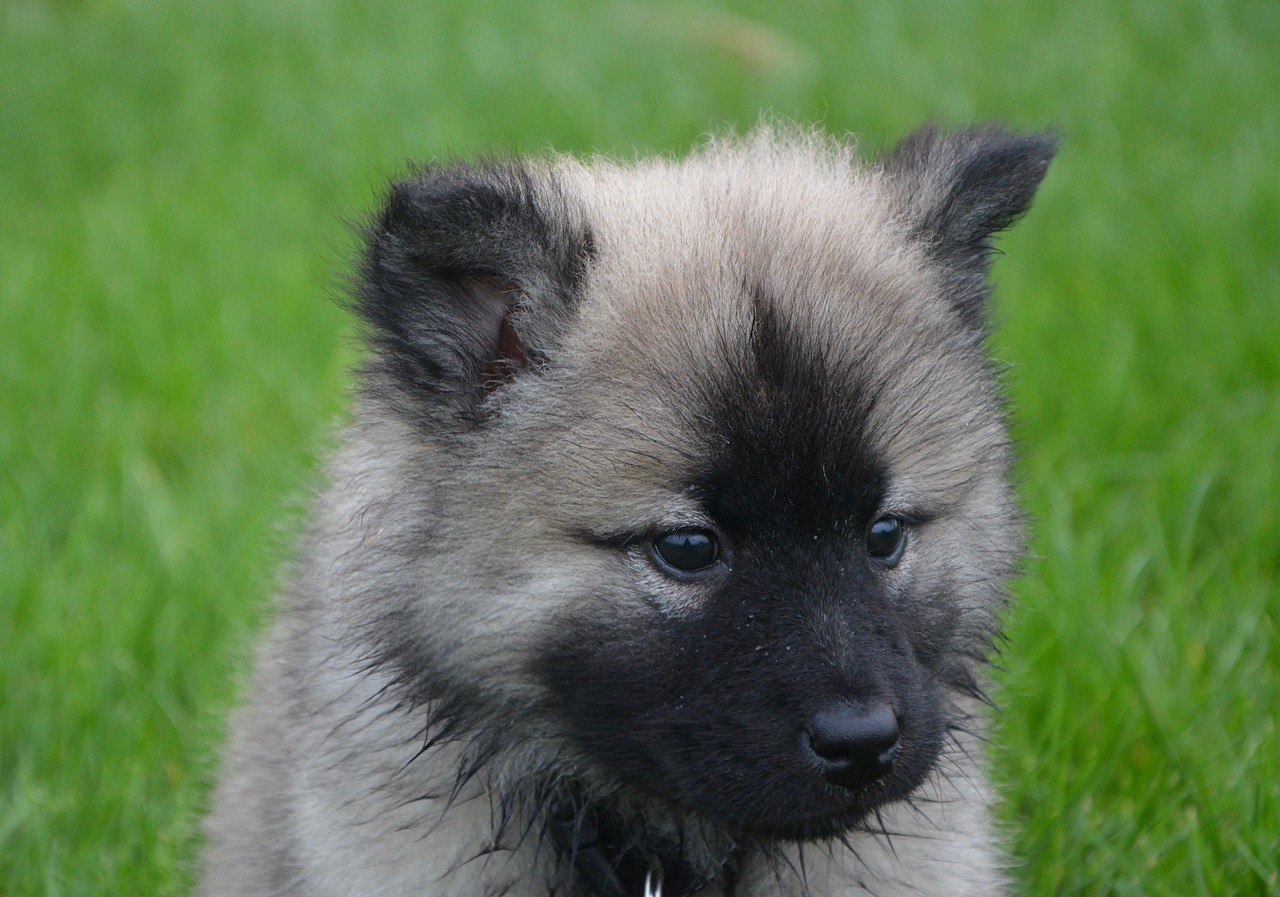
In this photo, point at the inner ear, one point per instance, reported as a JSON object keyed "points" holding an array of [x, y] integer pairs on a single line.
{"points": [[497, 300]]}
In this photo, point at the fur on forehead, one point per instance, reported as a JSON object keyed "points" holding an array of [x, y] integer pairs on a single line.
{"points": [[789, 211], [692, 254]]}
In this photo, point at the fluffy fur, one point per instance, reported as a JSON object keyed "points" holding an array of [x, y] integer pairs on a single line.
{"points": [[484, 664]]}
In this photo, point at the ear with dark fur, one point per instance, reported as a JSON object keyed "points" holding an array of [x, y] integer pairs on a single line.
{"points": [[468, 275], [960, 189]]}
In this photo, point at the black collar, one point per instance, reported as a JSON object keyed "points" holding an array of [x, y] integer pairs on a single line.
{"points": [[613, 866]]}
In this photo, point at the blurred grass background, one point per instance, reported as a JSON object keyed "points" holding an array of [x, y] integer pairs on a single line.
{"points": [[174, 181]]}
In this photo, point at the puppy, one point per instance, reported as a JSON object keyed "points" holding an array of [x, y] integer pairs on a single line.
{"points": [[666, 545]]}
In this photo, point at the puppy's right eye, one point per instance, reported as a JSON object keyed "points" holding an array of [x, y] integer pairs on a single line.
{"points": [[885, 540], [687, 551]]}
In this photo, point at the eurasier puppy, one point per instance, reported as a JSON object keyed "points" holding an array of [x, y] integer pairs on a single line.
{"points": [[666, 545]]}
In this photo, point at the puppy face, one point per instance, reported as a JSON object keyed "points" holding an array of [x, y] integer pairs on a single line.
{"points": [[719, 514], [773, 570]]}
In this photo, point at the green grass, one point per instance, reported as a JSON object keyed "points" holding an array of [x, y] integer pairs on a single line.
{"points": [[173, 189]]}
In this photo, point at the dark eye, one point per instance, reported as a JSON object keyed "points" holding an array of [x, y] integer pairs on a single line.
{"points": [[886, 539], [687, 551]]}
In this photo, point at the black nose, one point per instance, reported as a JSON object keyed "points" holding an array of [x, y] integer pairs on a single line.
{"points": [[854, 742]]}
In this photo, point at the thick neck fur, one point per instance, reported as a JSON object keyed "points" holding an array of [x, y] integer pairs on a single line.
{"points": [[409, 816]]}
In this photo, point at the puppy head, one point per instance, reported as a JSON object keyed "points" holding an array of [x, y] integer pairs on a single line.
{"points": [[719, 513]]}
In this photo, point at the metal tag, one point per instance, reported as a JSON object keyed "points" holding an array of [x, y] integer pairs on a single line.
{"points": [[653, 881]]}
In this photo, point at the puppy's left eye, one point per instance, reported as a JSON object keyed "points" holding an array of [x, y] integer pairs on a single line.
{"points": [[687, 551], [886, 540]]}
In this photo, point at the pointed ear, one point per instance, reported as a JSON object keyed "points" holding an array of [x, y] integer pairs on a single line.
{"points": [[961, 188], [468, 276]]}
